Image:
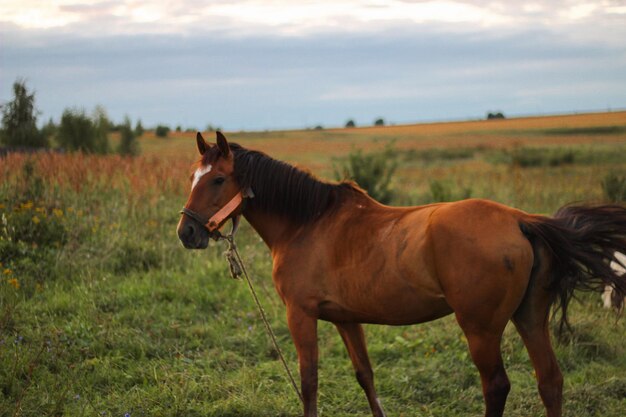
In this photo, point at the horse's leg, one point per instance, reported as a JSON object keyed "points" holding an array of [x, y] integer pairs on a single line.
{"points": [[531, 320], [549, 377], [484, 347], [354, 339], [303, 330]]}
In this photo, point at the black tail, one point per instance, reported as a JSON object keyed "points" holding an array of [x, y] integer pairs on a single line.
{"points": [[583, 241]]}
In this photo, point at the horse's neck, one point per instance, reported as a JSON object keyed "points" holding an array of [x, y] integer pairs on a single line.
{"points": [[272, 228], [275, 229]]}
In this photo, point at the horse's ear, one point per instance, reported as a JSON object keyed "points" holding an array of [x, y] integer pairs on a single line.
{"points": [[202, 145], [222, 144]]}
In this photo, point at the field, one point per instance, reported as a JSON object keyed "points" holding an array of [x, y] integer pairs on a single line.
{"points": [[103, 313]]}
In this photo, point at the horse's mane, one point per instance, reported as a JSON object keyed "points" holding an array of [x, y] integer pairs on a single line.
{"points": [[283, 189]]}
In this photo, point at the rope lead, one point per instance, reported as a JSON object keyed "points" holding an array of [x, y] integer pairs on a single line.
{"points": [[237, 269]]}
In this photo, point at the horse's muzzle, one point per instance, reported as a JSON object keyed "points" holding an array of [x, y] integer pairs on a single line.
{"points": [[192, 234]]}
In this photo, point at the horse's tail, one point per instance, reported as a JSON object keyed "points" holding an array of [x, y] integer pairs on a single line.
{"points": [[583, 241]]}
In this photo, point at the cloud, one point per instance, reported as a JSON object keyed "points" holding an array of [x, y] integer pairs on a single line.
{"points": [[255, 65], [299, 18]]}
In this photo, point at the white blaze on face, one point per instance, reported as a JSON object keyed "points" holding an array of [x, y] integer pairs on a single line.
{"points": [[200, 172]]}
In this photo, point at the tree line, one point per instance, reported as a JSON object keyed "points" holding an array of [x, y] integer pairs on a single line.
{"points": [[77, 130]]}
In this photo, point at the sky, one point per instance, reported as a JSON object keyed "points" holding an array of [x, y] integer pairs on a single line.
{"points": [[256, 65]]}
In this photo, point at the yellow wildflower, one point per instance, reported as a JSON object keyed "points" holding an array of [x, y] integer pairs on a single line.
{"points": [[2, 206], [70, 209], [14, 282], [35, 220], [57, 212], [7, 271], [40, 210], [27, 205]]}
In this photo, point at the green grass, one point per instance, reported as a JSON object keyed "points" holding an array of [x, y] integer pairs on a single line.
{"points": [[113, 316]]}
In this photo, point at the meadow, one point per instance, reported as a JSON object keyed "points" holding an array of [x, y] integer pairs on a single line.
{"points": [[103, 313]]}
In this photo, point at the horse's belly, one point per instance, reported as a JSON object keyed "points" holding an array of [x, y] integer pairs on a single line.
{"points": [[396, 309]]}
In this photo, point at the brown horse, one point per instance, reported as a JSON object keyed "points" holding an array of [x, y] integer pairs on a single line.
{"points": [[340, 256]]}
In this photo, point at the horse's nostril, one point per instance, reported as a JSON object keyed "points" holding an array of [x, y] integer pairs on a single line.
{"points": [[190, 230]]}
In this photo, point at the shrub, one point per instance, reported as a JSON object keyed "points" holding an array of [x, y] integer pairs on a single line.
{"points": [[19, 120], [372, 171], [614, 188], [79, 132], [442, 192], [161, 131], [532, 157], [435, 155]]}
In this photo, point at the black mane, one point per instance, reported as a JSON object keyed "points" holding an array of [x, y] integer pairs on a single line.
{"points": [[285, 190]]}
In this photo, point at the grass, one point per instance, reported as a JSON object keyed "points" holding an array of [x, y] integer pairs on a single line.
{"points": [[103, 313]]}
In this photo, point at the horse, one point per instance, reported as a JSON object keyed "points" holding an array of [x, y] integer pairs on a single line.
{"points": [[609, 295], [340, 256]]}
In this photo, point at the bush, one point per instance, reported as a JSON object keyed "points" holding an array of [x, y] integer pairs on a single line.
{"points": [[372, 171], [614, 188], [19, 120], [442, 192], [161, 131], [533, 157], [128, 142], [79, 132]]}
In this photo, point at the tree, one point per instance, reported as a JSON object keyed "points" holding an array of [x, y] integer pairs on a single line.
{"points": [[49, 130], [350, 123], [495, 115], [139, 129], [19, 120], [379, 122], [102, 127], [128, 141]]}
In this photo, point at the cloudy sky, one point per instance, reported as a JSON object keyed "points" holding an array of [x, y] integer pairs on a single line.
{"points": [[252, 64]]}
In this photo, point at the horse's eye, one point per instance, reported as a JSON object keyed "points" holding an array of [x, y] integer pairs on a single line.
{"points": [[219, 180]]}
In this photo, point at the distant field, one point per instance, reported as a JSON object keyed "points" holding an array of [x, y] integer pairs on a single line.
{"points": [[315, 148], [103, 313]]}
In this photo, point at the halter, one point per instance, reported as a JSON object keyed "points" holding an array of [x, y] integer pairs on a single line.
{"points": [[214, 223]]}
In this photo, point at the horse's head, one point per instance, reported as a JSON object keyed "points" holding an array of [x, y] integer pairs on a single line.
{"points": [[215, 194]]}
